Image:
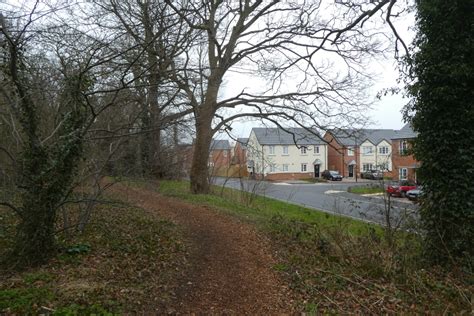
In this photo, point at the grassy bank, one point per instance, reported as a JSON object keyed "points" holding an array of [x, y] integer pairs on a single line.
{"points": [[127, 260], [338, 265], [259, 209], [365, 190], [130, 260]]}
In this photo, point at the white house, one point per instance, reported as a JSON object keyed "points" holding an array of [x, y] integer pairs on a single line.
{"points": [[293, 153], [376, 155]]}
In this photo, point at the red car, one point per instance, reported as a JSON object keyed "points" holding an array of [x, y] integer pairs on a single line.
{"points": [[401, 188]]}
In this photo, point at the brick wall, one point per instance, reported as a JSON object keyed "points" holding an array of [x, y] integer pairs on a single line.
{"points": [[240, 155], [220, 158], [337, 157], [400, 160]]}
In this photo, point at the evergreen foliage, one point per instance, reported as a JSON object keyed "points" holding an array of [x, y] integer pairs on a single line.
{"points": [[442, 112]]}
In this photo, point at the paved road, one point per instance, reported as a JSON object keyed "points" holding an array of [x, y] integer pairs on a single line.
{"points": [[331, 197]]}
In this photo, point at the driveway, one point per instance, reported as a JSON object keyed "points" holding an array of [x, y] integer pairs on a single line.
{"points": [[330, 197]]}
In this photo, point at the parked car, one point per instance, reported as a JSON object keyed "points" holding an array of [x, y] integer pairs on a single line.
{"points": [[401, 188], [372, 174], [332, 175], [415, 194]]}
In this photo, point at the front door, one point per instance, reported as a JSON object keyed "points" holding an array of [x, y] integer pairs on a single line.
{"points": [[316, 171], [351, 171]]}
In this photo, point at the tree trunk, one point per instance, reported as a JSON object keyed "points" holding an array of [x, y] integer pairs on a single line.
{"points": [[35, 239], [199, 168], [157, 158]]}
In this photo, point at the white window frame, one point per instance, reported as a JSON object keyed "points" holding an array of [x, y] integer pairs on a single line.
{"points": [[304, 150], [403, 173], [285, 167], [384, 150], [271, 150], [368, 150], [304, 167], [403, 147], [316, 149], [285, 150], [272, 167], [367, 167], [350, 151]]}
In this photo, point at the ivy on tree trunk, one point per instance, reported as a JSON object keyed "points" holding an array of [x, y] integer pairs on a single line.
{"points": [[442, 112]]}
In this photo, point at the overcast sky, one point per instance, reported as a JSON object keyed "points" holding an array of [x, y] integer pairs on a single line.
{"points": [[386, 113]]}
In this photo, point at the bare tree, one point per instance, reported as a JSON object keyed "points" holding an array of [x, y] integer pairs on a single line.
{"points": [[309, 54], [57, 80], [153, 37]]}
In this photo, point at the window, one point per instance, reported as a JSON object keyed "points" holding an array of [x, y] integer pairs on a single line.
{"points": [[403, 147], [304, 167], [350, 151], [271, 150], [403, 173], [367, 150], [272, 167], [225, 153], [383, 150], [303, 150], [367, 167], [316, 149], [285, 167], [383, 166], [285, 150]]}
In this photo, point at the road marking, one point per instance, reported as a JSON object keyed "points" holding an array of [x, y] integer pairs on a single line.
{"points": [[332, 192], [381, 196], [281, 183]]}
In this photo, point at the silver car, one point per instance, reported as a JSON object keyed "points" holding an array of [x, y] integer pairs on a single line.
{"points": [[415, 194]]}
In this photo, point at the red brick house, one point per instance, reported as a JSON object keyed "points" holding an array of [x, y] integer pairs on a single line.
{"points": [[352, 151], [220, 154], [403, 162], [342, 153], [240, 152]]}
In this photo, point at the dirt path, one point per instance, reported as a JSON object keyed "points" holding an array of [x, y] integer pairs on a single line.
{"points": [[230, 263]]}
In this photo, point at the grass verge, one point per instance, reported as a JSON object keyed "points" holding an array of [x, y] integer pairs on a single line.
{"points": [[127, 260], [259, 209], [337, 265], [365, 190]]}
